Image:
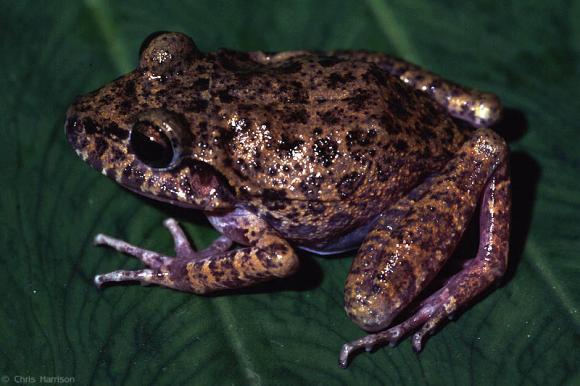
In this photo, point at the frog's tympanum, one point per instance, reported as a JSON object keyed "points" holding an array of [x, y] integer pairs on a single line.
{"points": [[322, 151]]}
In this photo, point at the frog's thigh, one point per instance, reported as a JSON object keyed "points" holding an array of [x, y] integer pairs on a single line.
{"points": [[267, 256], [398, 259], [479, 108]]}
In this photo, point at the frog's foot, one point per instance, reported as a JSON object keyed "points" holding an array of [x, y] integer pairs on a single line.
{"points": [[412, 240], [477, 275], [154, 260], [216, 267]]}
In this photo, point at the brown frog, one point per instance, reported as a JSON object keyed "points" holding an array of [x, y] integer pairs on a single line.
{"points": [[323, 151]]}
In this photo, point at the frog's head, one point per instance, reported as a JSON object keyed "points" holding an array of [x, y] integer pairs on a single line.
{"points": [[140, 128]]}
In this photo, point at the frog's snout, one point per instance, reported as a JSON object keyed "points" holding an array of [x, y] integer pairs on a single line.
{"points": [[73, 126]]}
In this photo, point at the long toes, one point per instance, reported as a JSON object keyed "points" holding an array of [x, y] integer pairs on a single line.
{"points": [[143, 276], [182, 246], [369, 342], [428, 329], [152, 259]]}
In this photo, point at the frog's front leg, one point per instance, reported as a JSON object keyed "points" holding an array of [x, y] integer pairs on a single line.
{"points": [[266, 256], [413, 239]]}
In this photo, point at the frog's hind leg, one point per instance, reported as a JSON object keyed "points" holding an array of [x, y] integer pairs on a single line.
{"points": [[413, 239], [216, 267], [476, 107]]}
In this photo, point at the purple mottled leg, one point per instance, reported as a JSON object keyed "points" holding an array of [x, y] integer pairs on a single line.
{"points": [[397, 261]]}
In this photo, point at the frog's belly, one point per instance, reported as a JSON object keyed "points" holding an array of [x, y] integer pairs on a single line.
{"points": [[343, 243]]}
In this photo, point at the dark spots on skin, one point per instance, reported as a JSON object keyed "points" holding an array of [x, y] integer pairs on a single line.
{"points": [[398, 107], [296, 93], [201, 84], [90, 127], [256, 165], [247, 107], [100, 146], [129, 89], [401, 146], [385, 169], [311, 185], [430, 114], [316, 208], [272, 171], [198, 105], [274, 194], [336, 79], [106, 100], [348, 184], [325, 151], [278, 248], [117, 131], [125, 107], [127, 172], [298, 116], [359, 100], [225, 97], [426, 133], [359, 137], [328, 61], [289, 68], [116, 155], [329, 117], [388, 123], [287, 145]]}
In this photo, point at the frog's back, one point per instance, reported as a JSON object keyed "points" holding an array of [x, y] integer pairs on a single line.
{"points": [[316, 128]]}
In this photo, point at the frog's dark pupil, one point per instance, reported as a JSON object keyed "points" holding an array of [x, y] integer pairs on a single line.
{"points": [[151, 145]]}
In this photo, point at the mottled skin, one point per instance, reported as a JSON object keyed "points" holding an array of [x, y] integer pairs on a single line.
{"points": [[322, 151]]}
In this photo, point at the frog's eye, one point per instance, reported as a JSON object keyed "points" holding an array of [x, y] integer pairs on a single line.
{"points": [[164, 52], [151, 145]]}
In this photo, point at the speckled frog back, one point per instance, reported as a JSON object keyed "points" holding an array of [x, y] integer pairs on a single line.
{"points": [[318, 128]]}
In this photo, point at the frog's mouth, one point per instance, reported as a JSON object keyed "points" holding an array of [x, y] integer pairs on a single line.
{"points": [[192, 184]]}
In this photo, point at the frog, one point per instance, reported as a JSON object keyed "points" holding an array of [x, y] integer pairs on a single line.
{"points": [[317, 151]]}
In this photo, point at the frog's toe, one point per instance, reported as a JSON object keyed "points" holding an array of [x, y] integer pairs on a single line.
{"points": [[145, 276], [182, 245], [150, 258], [183, 248]]}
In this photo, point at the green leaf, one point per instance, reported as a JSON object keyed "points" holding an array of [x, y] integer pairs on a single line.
{"points": [[54, 322]]}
